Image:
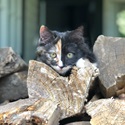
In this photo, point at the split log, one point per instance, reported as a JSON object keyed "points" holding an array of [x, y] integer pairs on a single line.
{"points": [[10, 62], [13, 86], [51, 96], [29, 112], [110, 52], [70, 92], [107, 112]]}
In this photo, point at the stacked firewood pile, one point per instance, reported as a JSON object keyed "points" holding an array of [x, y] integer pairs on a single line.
{"points": [[37, 95]]}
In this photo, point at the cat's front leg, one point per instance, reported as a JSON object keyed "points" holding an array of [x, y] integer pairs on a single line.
{"points": [[85, 63]]}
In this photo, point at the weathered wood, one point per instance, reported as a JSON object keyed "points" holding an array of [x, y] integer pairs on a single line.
{"points": [[13, 86], [70, 92], [10, 62], [29, 112], [107, 112], [110, 52], [16, 105], [52, 97]]}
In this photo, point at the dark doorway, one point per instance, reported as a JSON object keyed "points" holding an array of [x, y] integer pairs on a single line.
{"points": [[69, 14]]}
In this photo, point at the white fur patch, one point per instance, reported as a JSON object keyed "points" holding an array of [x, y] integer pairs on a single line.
{"points": [[80, 63], [60, 64]]}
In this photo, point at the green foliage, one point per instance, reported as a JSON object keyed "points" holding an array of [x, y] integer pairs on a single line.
{"points": [[121, 22]]}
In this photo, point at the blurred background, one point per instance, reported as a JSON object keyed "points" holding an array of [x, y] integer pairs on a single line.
{"points": [[20, 20]]}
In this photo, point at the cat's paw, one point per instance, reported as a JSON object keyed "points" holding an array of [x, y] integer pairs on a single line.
{"points": [[80, 63]]}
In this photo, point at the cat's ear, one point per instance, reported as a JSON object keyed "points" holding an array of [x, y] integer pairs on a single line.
{"points": [[45, 34], [78, 32]]}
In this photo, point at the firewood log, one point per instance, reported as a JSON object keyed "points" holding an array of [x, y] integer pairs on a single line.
{"points": [[107, 112], [110, 52], [70, 92], [51, 96], [10, 62], [29, 112]]}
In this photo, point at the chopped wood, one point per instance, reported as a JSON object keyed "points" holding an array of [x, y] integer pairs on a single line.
{"points": [[70, 92], [13, 86], [51, 96], [16, 105], [30, 111], [107, 112], [110, 52], [10, 62]]}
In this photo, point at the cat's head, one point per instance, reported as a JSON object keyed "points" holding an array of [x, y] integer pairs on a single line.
{"points": [[61, 50]]}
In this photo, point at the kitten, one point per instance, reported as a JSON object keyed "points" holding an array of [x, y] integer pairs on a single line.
{"points": [[63, 50]]}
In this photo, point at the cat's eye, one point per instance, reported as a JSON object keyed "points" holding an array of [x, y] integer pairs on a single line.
{"points": [[70, 55], [53, 55]]}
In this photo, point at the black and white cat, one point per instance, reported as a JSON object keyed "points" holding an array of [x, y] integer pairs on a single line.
{"points": [[63, 50]]}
